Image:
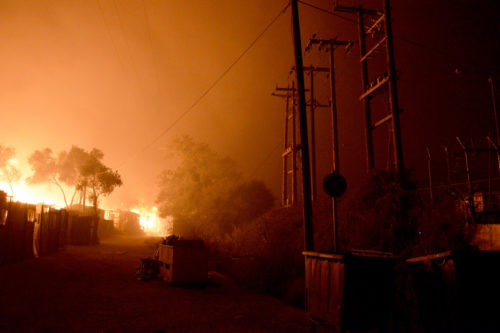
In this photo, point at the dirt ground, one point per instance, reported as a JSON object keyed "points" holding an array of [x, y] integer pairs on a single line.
{"points": [[94, 289]]}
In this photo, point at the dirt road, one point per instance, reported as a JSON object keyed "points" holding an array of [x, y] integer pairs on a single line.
{"points": [[94, 289]]}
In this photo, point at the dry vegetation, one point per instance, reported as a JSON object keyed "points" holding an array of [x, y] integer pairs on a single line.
{"points": [[387, 216], [266, 252], [261, 246]]}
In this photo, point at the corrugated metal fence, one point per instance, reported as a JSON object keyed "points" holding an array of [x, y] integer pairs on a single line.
{"points": [[28, 231]]}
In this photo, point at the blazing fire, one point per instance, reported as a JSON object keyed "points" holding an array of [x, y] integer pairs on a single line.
{"points": [[150, 222], [23, 192], [13, 182]]}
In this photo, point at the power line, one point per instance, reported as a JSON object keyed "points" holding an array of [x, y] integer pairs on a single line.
{"points": [[264, 160], [110, 35], [153, 57], [211, 87], [129, 52], [327, 11], [406, 40]]}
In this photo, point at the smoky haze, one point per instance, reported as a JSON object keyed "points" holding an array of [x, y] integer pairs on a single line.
{"points": [[116, 75]]}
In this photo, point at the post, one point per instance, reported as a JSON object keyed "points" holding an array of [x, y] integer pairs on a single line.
{"points": [[313, 138], [304, 140], [370, 161], [467, 166], [294, 146], [335, 144], [497, 150], [393, 94], [494, 102], [284, 189]]}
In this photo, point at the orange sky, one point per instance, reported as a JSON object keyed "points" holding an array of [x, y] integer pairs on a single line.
{"points": [[114, 74]]}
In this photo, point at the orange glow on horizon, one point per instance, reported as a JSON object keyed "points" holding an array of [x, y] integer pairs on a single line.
{"points": [[20, 190], [31, 194]]}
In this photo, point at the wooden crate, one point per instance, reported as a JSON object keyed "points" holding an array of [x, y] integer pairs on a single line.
{"points": [[183, 263]]}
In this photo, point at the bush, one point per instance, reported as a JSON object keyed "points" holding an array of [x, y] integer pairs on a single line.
{"points": [[380, 216], [388, 215], [266, 254]]}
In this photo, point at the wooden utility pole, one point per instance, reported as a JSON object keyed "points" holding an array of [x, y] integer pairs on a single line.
{"points": [[313, 135], [288, 195], [381, 34], [304, 140], [393, 92], [330, 45], [494, 104], [313, 104]]}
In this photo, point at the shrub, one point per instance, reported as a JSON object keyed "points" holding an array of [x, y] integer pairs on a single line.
{"points": [[266, 253]]}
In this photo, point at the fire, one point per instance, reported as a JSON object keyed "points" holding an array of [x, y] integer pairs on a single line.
{"points": [[150, 222], [33, 194], [13, 182], [23, 192]]}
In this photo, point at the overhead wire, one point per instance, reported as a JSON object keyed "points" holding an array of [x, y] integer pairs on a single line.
{"points": [[264, 160], [242, 54], [150, 39], [403, 39], [122, 29], [211, 86], [327, 11], [110, 35]]}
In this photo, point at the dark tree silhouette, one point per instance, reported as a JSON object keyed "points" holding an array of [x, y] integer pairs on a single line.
{"points": [[63, 169], [75, 168], [97, 178]]}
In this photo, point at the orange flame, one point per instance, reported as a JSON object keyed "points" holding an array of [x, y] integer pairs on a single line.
{"points": [[19, 190], [150, 222]]}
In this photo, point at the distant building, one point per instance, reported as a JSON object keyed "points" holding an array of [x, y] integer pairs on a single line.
{"points": [[125, 221]]}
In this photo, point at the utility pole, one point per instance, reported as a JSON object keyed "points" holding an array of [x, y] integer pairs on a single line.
{"points": [[290, 149], [313, 135], [330, 45], [313, 104], [304, 140], [494, 102], [380, 32]]}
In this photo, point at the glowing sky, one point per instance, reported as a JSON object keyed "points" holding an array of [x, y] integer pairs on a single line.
{"points": [[116, 74]]}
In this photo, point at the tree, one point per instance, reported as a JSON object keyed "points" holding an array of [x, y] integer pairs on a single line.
{"points": [[244, 203], [75, 168], [63, 169], [98, 178], [8, 170], [203, 193]]}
